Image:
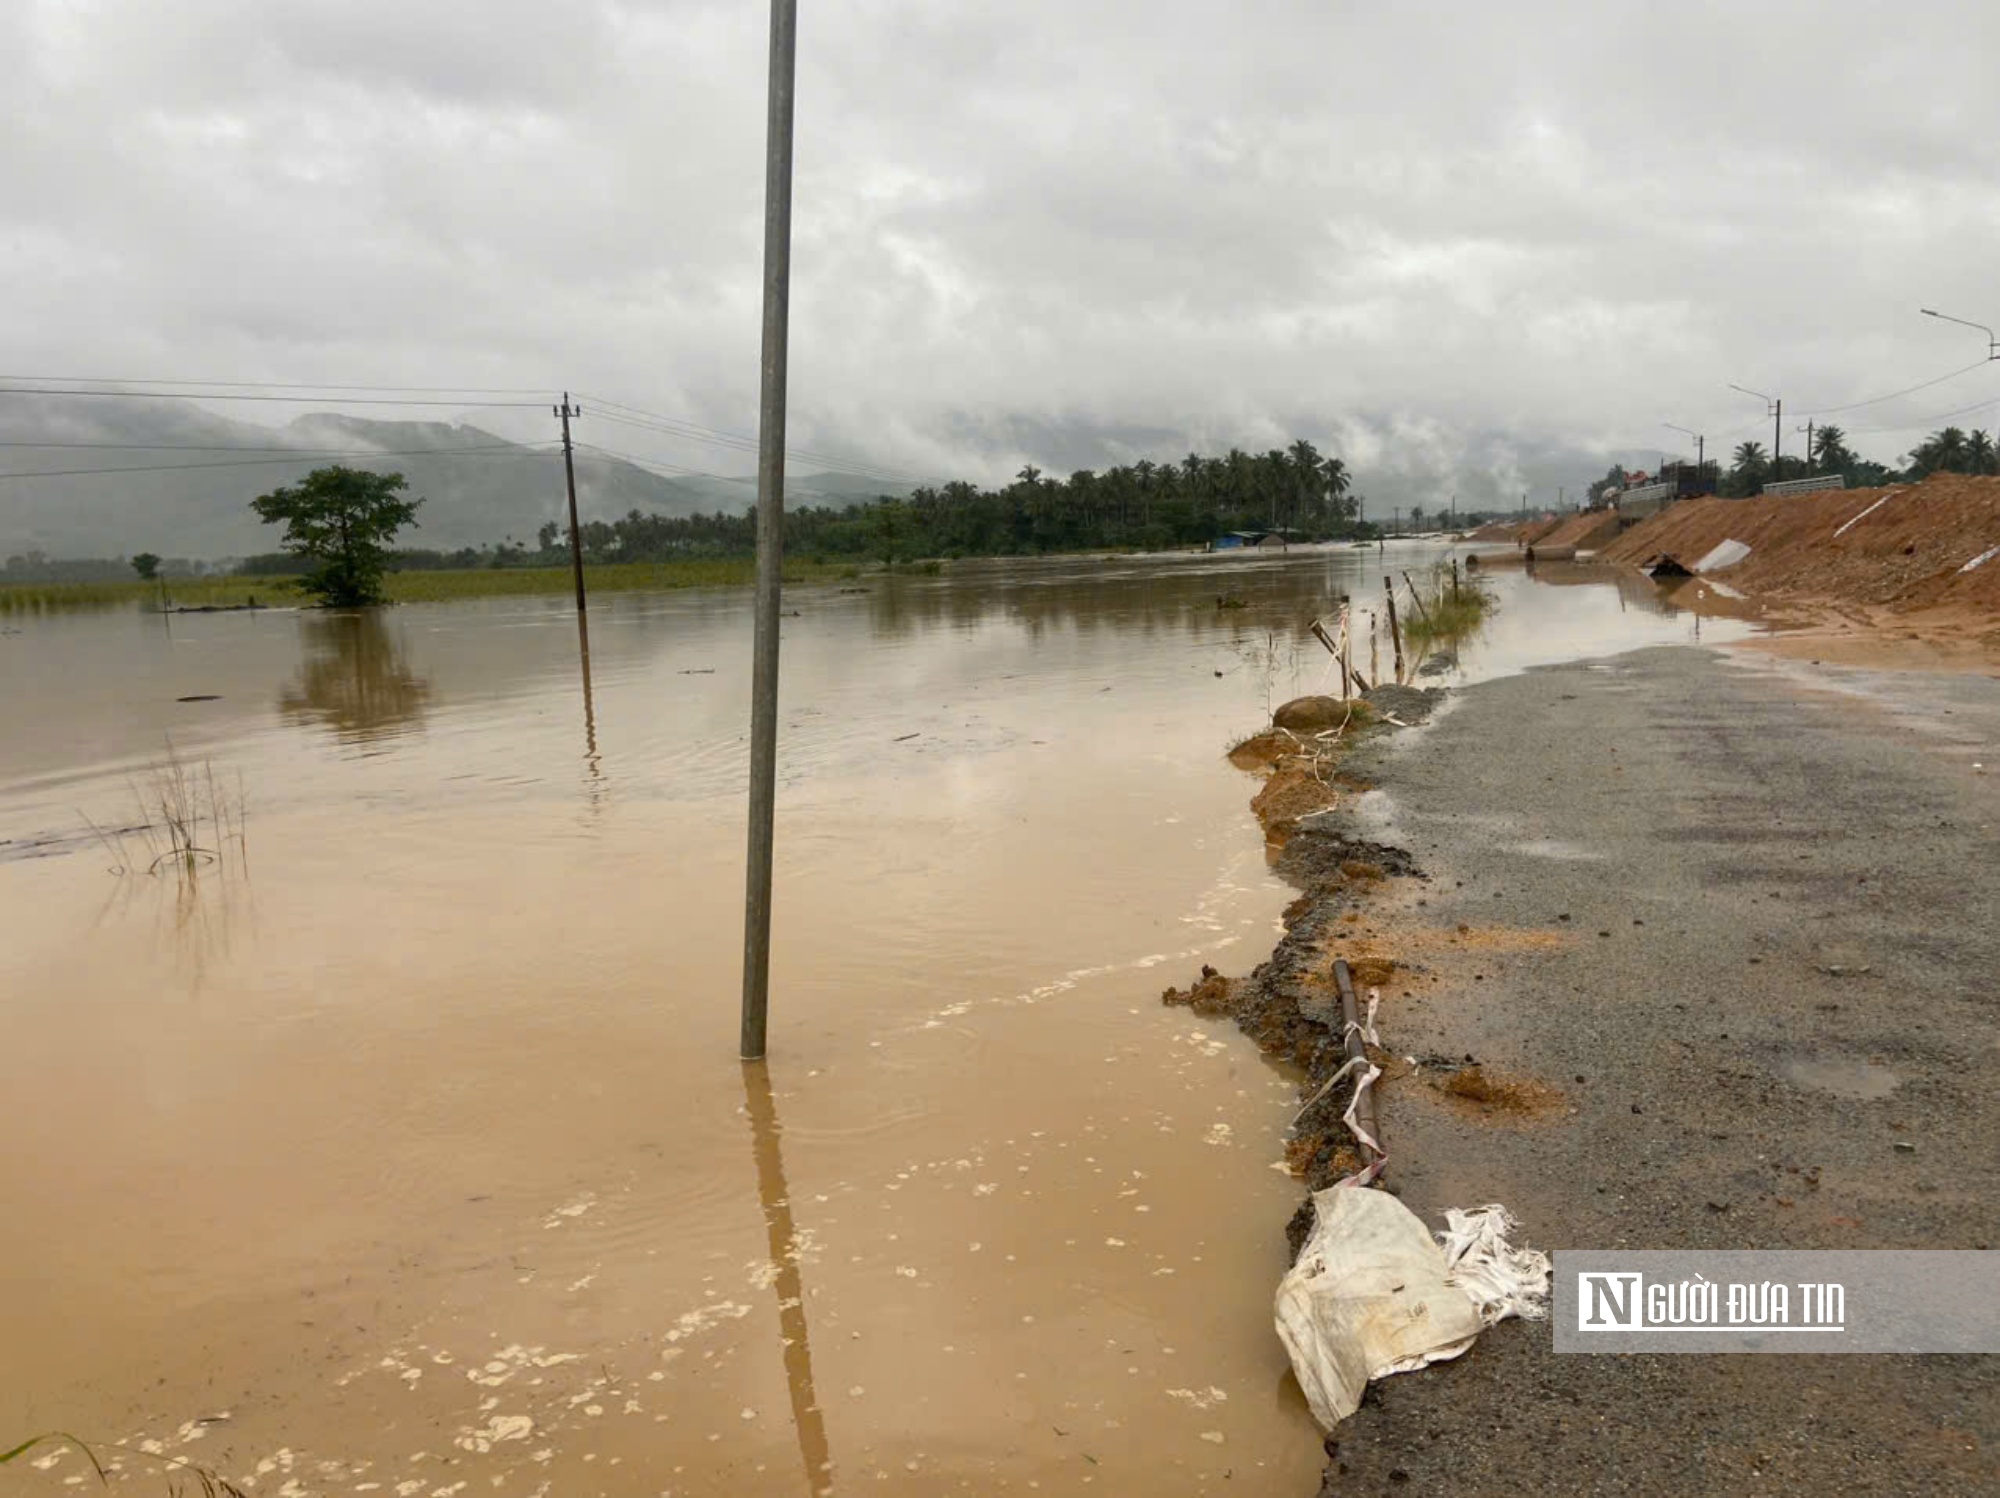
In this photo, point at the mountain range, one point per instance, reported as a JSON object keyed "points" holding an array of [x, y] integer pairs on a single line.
{"points": [[116, 476]]}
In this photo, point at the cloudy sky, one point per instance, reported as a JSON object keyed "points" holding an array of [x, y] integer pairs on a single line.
{"points": [[1472, 247]]}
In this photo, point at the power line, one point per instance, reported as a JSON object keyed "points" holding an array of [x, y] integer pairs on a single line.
{"points": [[1929, 421], [241, 447], [494, 450], [372, 395], [665, 469], [675, 426], [734, 443], [1876, 400], [304, 400], [277, 385]]}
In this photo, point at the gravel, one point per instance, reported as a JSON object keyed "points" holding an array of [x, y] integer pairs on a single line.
{"points": [[1780, 891]]}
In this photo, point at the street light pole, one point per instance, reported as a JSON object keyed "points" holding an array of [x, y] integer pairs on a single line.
{"points": [[1776, 408], [1700, 445], [1992, 343]]}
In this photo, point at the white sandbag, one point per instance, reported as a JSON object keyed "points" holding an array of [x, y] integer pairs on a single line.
{"points": [[1724, 554], [1372, 1294]]}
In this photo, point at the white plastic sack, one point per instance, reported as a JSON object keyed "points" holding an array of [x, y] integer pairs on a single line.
{"points": [[1372, 1294], [1724, 554]]}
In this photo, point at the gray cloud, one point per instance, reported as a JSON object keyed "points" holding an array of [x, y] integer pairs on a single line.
{"points": [[1466, 246]]}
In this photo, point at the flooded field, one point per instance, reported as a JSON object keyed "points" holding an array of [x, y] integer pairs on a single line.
{"points": [[403, 1148]]}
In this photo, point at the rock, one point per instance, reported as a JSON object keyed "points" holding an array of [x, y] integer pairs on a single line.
{"points": [[1311, 714], [1904, 1147]]}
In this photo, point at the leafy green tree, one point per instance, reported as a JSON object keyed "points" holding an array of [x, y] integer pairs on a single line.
{"points": [[147, 565], [340, 521], [1614, 478]]}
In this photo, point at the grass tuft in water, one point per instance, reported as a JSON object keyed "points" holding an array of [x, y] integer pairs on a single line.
{"points": [[187, 821], [180, 1470], [1452, 608]]}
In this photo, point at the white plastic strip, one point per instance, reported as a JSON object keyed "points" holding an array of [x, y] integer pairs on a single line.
{"points": [[1866, 513]]}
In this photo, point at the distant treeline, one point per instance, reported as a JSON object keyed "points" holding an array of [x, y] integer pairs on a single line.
{"points": [[1948, 450], [1144, 506], [34, 567]]}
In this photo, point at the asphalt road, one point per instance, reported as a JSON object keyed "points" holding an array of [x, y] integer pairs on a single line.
{"points": [[1782, 885]]}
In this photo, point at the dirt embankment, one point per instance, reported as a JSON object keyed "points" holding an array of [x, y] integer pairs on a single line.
{"points": [[1357, 901], [1589, 530], [1905, 559]]}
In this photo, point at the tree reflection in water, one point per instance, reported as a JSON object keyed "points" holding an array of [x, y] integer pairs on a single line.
{"points": [[355, 679]]}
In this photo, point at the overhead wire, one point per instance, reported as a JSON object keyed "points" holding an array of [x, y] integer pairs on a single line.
{"points": [[400, 395], [675, 470], [308, 400], [484, 450], [282, 385], [743, 442], [1876, 400]]}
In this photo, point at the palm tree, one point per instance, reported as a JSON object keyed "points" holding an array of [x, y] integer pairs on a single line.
{"points": [[1306, 478], [1979, 452], [1751, 467], [1830, 448], [1236, 468], [1337, 484]]}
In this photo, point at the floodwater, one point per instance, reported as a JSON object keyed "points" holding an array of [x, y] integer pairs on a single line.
{"points": [[401, 1145]]}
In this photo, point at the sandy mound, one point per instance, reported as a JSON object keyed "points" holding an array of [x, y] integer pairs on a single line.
{"points": [[1905, 547]]}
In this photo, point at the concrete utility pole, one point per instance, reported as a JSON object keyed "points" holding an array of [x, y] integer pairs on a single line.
{"points": [[566, 411], [1808, 430], [770, 525]]}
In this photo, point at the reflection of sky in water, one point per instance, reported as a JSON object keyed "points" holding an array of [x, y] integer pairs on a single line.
{"points": [[880, 676]]}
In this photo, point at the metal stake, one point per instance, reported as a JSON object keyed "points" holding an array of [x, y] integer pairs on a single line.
{"points": [[770, 526]]}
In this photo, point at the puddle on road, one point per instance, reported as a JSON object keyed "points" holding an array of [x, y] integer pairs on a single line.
{"points": [[416, 1155], [1848, 1078], [1556, 848]]}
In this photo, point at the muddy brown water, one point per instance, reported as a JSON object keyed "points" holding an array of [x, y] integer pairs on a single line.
{"points": [[404, 1148]]}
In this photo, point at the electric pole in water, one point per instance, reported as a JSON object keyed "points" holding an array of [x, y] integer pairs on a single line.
{"points": [[770, 525], [566, 411]]}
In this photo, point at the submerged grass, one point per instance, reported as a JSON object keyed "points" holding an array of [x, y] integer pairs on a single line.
{"points": [[410, 587], [211, 1483], [188, 820], [189, 592], [1453, 607]]}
